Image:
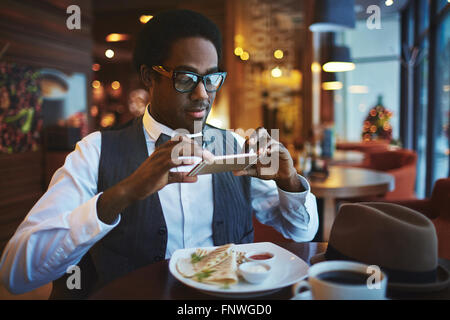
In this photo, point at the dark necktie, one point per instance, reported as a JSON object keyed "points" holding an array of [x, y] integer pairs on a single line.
{"points": [[163, 138]]}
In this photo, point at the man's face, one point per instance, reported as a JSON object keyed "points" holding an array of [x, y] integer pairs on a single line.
{"points": [[179, 110]]}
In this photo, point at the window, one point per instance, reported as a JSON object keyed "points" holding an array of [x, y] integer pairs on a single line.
{"points": [[376, 56], [424, 14], [430, 90], [421, 115], [441, 152], [410, 28]]}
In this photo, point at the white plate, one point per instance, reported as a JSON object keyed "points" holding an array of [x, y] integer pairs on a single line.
{"points": [[287, 270]]}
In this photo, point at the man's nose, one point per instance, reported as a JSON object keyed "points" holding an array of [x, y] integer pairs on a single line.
{"points": [[199, 92]]}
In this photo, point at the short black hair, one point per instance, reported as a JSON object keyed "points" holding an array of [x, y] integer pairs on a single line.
{"points": [[157, 36]]}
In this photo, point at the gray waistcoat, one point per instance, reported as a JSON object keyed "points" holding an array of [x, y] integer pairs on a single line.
{"points": [[141, 236]]}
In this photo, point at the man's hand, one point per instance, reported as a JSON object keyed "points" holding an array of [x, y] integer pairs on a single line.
{"points": [[274, 162], [155, 172], [151, 176]]}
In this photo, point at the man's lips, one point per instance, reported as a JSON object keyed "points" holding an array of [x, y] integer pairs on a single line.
{"points": [[196, 113]]}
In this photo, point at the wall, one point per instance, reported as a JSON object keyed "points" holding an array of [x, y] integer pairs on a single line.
{"points": [[257, 98], [35, 34]]}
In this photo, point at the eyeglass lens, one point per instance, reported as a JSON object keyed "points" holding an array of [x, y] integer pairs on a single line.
{"points": [[187, 82]]}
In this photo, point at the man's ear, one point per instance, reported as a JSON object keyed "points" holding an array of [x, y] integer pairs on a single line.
{"points": [[146, 76]]}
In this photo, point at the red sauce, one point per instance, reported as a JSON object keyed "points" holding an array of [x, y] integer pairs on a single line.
{"points": [[263, 256]]}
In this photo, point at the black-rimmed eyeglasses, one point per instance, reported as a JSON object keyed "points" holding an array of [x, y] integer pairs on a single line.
{"points": [[187, 81]]}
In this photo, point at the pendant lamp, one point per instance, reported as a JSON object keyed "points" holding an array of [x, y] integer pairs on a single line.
{"points": [[333, 15], [329, 82], [339, 60]]}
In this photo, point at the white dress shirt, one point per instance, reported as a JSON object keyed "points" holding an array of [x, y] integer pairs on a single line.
{"points": [[63, 225]]}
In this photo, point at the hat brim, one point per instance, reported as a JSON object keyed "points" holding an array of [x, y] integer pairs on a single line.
{"points": [[442, 282], [442, 279]]}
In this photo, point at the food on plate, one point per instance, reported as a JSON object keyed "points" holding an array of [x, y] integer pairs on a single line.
{"points": [[218, 266], [213, 258], [224, 273], [258, 268], [255, 272], [260, 256], [263, 256]]}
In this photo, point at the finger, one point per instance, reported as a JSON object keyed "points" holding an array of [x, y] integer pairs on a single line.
{"points": [[186, 148], [170, 143], [256, 140], [273, 148], [250, 142], [272, 145], [239, 173], [181, 161], [262, 132], [187, 179], [180, 138], [252, 171], [263, 139], [277, 148], [207, 156], [180, 177], [272, 153], [262, 151], [262, 136]]}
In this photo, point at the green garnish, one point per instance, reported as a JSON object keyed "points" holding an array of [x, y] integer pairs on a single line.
{"points": [[196, 258], [226, 285], [203, 274]]}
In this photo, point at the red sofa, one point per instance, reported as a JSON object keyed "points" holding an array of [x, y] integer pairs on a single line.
{"points": [[401, 164], [364, 146]]}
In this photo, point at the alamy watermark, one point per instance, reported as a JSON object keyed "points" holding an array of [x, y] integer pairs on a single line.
{"points": [[374, 280], [74, 280], [374, 20], [74, 20]]}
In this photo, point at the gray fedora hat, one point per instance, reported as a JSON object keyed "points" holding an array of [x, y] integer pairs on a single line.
{"points": [[401, 241]]}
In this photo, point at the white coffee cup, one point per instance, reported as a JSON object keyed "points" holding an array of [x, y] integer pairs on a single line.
{"points": [[343, 280]]}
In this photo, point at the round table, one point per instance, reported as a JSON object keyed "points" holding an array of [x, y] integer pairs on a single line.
{"points": [[344, 182]]}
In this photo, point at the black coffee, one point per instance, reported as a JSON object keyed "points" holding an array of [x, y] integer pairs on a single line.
{"points": [[344, 277]]}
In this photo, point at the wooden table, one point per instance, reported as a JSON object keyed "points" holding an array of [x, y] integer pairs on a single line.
{"points": [[155, 282], [344, 182]]}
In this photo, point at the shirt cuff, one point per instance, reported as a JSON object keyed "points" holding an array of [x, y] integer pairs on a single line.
{"points": [[292, 203], [292, 199], [85, 226]]}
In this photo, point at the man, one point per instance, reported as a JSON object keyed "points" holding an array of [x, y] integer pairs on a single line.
{"points": [[119, 202]]}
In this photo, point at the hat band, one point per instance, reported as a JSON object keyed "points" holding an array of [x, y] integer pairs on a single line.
{"points": [[394, 275]]}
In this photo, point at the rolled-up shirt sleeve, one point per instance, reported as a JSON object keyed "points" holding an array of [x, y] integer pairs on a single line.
{"points": [[61, 227], [293, 214]]}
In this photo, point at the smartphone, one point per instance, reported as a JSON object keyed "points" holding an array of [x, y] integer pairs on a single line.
{"points": [[224, 163]]}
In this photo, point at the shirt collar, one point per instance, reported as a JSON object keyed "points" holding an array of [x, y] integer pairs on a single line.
{"points": [[154, 128]]}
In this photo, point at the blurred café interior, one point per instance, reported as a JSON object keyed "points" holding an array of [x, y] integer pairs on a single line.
{"points": [[350, 85]]}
